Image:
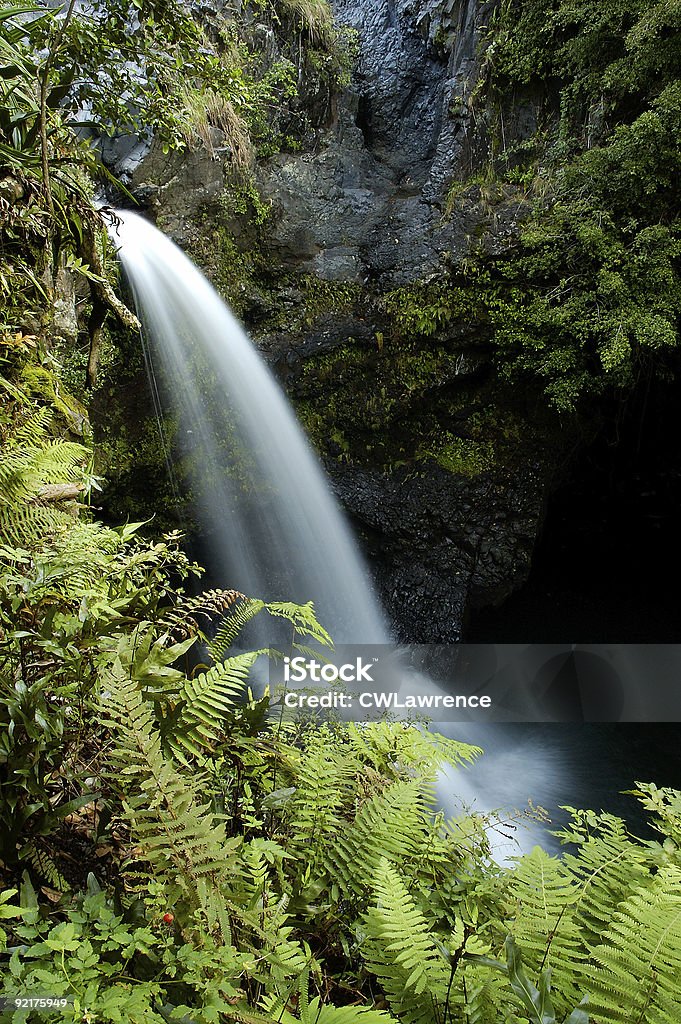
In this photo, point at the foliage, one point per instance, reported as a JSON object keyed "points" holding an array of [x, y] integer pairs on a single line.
{"points": [[315, 17], [463, 457], [31, 463], [605, 58], [251, 863], [587, 296], [131, 67], [60, 604], [87, 958]]}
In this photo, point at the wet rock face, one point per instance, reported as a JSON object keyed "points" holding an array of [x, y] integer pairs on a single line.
{"points": [[399, 82], [360, 207], [442, 545], [367, 205], [417, 68]]}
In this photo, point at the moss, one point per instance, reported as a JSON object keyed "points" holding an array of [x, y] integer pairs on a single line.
{"points": [[231, 270], [241, 198], [321, 296], [132, 456], [361, 403], [400, 404], [47, 386], [427, 308], [460, 456], [317, 298]]}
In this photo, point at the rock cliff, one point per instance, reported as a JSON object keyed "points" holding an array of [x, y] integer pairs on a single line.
{"points": [[335, 269]]}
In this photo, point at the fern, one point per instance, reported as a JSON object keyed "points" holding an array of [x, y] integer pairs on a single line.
{"points": [[540, 900], [282, 956], [635, 970], [182, 621], [608, 867], [487, 998], [30, 461], [324, 783], [386, 744], [303, 619], [316, 1012], [390, 824], [45, 867], [326, 1014], [232, 625], [204, 703], [401, 952], [174, 832]]}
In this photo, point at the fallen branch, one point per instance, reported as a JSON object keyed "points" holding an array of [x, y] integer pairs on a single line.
{"points": [[103, 298], [59, 492]]}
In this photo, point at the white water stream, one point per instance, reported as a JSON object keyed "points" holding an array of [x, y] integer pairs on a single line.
{"points": [[275, 530]]}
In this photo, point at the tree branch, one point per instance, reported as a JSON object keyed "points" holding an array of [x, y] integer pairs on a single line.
{"points": [[59, 492]]}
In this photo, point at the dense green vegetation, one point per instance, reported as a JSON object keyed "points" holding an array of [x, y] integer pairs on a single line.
{"points": [[172, 847], [175, 848], [587, 298]]}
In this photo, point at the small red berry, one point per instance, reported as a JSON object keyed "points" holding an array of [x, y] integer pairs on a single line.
{"points": [[168, 918]]}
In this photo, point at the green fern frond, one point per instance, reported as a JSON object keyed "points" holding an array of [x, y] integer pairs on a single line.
{"points": [[45, 867], [540, 903], [607, 868], [324, 783], [398, 743], [635, 970], [31, 461], [174, 833], [318, 1013], [232, 625], [182, 621], [390, 824], [303, 619], [206, 700], [29, 525], [313, 1011], [487, 998], [401, 951]]}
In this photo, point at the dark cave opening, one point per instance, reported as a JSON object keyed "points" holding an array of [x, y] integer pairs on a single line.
{"points": [[607, 565]]}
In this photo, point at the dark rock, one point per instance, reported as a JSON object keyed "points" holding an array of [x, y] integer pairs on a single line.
{"points": [[124, 153], [443, 544]]}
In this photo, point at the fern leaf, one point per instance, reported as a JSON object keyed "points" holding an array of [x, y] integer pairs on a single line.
{"points": [[389, 824], [635, 970], [181, 622], [232, 625], [323, 777], [608, 867], [541, 897], [174, 832], [327, 1014], [29, 461], [206, 700], [303, 619], [401, 951], [385, 743]]}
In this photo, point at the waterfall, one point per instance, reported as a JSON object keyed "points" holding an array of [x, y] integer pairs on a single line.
{"points": [[275, 530]]}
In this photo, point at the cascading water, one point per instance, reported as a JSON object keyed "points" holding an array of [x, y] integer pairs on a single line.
{"points": [[275, 529]]}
